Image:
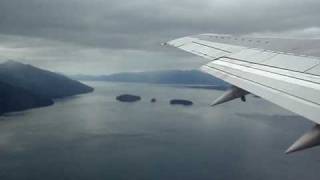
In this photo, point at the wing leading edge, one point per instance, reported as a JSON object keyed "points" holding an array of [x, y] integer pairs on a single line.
{"points": [[285, 72]]}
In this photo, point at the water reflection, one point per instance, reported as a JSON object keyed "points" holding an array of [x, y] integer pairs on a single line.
{"points": [[95, 137]]}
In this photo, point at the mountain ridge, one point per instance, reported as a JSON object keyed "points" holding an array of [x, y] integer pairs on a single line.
{"points": [[23, 86], [182, 77]]}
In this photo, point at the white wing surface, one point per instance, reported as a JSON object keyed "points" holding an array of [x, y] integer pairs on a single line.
{"points": [[285, 72]]}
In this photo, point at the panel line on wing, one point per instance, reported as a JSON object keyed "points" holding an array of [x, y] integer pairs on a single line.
{"points": [[211, 47]]}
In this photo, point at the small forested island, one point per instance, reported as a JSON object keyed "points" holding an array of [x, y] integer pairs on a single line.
{"points": [[23, 86], [128, 98], [181, 102]]}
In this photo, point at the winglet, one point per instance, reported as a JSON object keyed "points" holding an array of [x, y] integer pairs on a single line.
{"points": [[308, 140]]}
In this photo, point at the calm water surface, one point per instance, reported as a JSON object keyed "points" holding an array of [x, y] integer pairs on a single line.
{"points": [[93, 136]]}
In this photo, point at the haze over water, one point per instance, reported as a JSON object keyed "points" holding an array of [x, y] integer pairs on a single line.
{"points": [[93, 136]]}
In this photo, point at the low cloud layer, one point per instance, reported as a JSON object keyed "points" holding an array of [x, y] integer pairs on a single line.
{"points": [[105, 36]]}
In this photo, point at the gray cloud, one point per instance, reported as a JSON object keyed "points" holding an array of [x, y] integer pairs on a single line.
{"points": [[123, 35]]}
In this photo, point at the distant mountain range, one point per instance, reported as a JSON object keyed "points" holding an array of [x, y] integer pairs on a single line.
{"points": [[192, 78], [24, 86]]}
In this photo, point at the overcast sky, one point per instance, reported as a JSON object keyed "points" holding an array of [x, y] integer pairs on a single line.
{"points": [[106, 36]]}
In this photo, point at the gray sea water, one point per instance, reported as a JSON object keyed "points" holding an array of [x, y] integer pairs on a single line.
{"points": [[93, 136]]}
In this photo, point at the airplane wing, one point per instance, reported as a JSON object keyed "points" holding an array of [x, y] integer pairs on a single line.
{"points": [[285, 72]]}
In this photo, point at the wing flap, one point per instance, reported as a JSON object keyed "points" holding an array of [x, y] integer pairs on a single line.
{"points": [[290, 85], [294, 63], [276, 96], [253, 55]]}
